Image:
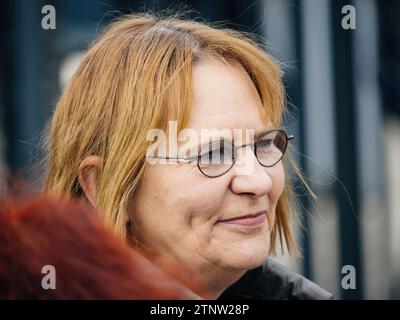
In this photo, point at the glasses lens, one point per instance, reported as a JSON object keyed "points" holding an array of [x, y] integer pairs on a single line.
{"points": [[216, 158], [271, 147]]}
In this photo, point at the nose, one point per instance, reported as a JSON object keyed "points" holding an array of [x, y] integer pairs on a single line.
{"points": [[250, 177]]}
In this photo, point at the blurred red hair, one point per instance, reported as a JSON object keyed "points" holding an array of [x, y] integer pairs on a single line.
{"points": [[90, 261]]}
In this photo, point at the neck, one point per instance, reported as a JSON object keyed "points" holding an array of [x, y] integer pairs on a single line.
{"points": [[216, 281], [208, 281]]}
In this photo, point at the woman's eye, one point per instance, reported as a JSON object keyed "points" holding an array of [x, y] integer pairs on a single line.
{"points": [[265, 143], [216, 154]]}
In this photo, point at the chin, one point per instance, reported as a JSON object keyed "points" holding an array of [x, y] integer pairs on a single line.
{"points": [[246, 256]]}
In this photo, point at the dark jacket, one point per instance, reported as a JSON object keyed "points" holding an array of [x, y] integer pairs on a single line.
{"points": [[273, 281]]}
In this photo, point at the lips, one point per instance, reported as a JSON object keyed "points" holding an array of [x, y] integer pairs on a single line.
{"points": [[249, 220]]}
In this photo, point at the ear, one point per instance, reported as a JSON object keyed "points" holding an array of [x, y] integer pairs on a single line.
{"points": [[88, 176]]}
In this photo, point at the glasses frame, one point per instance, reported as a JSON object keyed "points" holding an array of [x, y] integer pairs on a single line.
{"points": [[234, 148]]}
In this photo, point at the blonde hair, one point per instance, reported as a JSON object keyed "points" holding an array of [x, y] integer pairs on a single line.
{"points": [[124, 87]]}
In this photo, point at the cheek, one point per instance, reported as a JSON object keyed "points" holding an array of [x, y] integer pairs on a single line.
{"points": [[177, 216], [200, 201], [179, 199]]}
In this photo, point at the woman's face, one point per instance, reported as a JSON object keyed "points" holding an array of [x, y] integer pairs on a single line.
{"points": [[182, 213]]}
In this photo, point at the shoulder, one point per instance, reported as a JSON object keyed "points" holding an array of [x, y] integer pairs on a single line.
{"points": [[274, 281]]}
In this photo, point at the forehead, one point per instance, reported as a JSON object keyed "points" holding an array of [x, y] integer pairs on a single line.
{"points": [[224, 96]]}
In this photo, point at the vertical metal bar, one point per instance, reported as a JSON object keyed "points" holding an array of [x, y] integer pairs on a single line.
{"points": [[298, 97], [375, 224], [347, 157], [23, 113]]}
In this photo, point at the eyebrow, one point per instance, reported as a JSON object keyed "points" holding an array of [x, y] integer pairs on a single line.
{"points": [[257, 135]]}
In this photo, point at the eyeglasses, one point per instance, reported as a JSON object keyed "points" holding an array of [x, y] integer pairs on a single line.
{"points": [[217, 158]]}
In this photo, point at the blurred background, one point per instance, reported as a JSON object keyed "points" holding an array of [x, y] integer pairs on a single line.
{"points": [[343, 90]]}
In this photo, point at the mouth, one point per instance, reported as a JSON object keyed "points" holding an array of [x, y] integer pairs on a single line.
{"points": [[250, 220]]}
